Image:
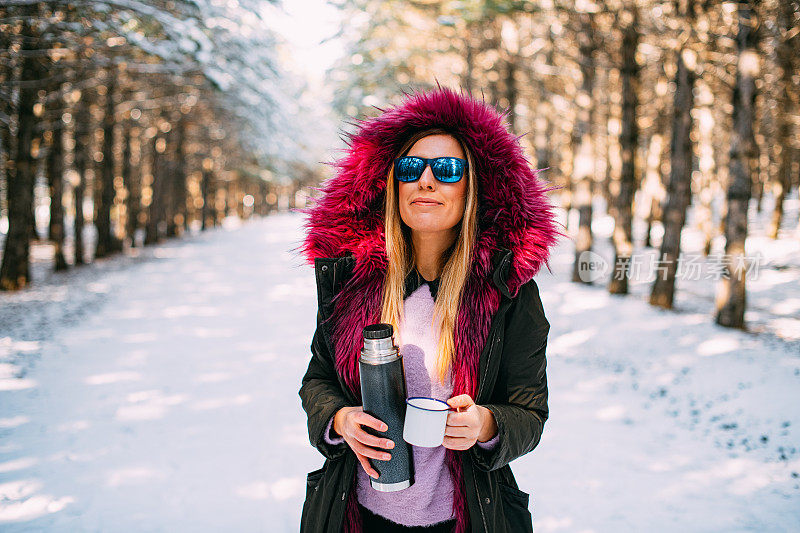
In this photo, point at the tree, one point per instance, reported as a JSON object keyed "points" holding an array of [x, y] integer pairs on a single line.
{"points": [[681, 159], [15, 269], [629, 140], [731, 298]]}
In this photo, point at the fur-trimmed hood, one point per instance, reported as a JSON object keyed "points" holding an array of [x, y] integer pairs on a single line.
{"points": [[515, 220], [514, 211]]}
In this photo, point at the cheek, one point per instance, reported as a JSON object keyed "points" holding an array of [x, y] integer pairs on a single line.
{"points": [[402, 198], [459, 199], [404, 190]]}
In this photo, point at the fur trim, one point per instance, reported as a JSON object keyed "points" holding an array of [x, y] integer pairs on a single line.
{"points": [[514, 213]]}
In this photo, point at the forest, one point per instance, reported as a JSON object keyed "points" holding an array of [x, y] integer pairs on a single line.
{"points": [[134, 118], [154, 115], [653, 106]]}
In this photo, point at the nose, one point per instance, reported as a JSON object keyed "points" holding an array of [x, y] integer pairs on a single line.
{"points": [[427, 180]]}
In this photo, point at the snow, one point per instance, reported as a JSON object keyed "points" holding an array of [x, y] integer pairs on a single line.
{"points": [[158, 392]]}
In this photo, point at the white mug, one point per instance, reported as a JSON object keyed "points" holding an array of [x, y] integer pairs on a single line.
{"points": [[426, 421]]}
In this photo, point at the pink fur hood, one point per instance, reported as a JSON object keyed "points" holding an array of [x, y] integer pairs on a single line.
{"points": [[515, 212]]}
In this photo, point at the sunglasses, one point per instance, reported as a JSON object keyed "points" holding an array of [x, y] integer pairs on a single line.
{"points": [[445, 169]]}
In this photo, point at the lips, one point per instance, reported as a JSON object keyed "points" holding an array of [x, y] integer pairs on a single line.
{"points": [[425, 202]]}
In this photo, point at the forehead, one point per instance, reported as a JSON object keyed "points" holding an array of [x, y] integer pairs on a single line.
{"points": [[437, 145]]}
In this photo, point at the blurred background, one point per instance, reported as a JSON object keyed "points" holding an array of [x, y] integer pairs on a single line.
{"points": [[125, 123], [151, 153]]}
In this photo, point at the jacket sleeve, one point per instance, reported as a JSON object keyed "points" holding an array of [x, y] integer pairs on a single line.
{"points": [[322, 396], [331, 437], [519, 398], [489, 444]]}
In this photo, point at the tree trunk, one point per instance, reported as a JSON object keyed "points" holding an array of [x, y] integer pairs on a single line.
{"points": [[15, 269], [205, 190], [132, 180], [152, 235], [544, 121], [512, 93], [679, 186], [217, 213], [178, 219], [605, 145], [105, 240], [731, 301], [490, 41], [783, 181], [83, 144], [55, 178], [629, 139], [583, 167], [469, 58]]}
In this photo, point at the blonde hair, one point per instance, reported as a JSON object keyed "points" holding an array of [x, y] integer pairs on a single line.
{"points": [[456, 268]]}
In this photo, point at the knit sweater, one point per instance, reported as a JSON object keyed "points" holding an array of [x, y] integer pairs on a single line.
{"points": [[429, 499]]}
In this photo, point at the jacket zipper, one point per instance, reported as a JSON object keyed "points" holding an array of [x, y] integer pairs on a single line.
{"points": [[480, 502], [330, 344], [474, 480], [332, 348], [491, 348], [488, 363], [480, 388]]}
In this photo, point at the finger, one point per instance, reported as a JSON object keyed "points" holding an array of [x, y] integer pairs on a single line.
{"points": [[462, 400], [372, 453], [371, 472], [458, 432], [371, 440], [456, 443], [459, 419], [369, 420]]}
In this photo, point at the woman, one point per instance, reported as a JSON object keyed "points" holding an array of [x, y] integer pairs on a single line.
{"points": [[454, 276]]}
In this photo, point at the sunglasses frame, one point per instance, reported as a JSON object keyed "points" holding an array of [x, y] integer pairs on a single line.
{"points": [[429, 162]]}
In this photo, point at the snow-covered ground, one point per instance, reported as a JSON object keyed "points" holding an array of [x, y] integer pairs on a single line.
{"points": [[159, 393]]}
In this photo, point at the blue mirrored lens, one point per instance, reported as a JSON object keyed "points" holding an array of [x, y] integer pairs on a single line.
{"points": [[409, 168], [448, 169]]}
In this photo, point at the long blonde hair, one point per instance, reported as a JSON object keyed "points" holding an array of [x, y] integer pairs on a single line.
{"points": [[457, 260]]}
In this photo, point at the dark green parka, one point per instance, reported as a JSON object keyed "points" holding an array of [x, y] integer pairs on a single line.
{"points": [[513, 385], [501, 330]]}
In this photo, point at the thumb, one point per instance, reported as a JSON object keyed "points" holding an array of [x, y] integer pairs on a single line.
{"points": [[463, 400]]}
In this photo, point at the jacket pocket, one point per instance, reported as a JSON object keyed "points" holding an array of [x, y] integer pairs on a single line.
{"points": [[313, 479], [515, 508], [311, 515]]}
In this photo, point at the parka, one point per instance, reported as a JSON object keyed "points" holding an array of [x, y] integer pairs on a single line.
{"points": [[501, 331]]}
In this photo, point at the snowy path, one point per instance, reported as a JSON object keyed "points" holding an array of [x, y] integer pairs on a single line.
{"points": [[172, 405]]}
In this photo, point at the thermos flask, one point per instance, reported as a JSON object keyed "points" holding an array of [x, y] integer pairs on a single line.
{"points": [[383, 394]]}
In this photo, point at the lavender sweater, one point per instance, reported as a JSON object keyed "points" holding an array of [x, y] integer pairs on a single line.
{"points": [[430, 499]]}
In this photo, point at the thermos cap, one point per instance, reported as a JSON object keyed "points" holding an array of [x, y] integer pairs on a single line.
{"points": [[378, 331], [379, 345]]}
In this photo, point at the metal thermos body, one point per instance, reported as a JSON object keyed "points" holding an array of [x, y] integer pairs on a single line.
{"points": [[383, 394]]}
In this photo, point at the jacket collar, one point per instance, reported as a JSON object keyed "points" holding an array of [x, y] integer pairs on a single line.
{"points": [[414, 280]]}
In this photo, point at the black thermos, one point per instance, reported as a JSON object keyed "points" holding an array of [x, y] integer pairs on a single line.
{"points": [[383, 394]]}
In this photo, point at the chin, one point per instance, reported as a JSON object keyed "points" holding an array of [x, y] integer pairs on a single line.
{"points": [[432, 227]]}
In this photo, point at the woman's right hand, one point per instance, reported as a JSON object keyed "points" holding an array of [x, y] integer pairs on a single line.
{"points": [[348, 421]]}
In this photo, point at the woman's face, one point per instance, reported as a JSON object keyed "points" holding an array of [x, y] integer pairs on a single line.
{"points": [[450, 198]]}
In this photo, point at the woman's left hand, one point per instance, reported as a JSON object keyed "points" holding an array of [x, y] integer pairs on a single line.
{"points": [[468, 424]]}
